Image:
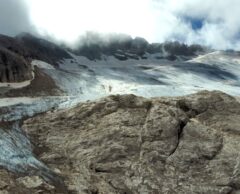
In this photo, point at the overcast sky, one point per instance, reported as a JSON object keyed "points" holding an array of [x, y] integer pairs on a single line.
{"points": [[14, 17], [209, 22]]}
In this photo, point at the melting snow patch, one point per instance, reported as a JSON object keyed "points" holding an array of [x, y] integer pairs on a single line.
{"points": [[42, 64]]}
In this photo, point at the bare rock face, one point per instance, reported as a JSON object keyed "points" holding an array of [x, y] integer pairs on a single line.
{"points": [[10, 184], [13, 68], [128, 144], [17, 53], [124, 47], [41, 85]]}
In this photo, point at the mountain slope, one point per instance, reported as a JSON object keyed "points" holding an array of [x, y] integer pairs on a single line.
{"points": [[17, 53], [41, 49], [124, 47], [121, 143]]}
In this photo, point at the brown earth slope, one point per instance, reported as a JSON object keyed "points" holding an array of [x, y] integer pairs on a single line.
{"points": [[41, 85]]}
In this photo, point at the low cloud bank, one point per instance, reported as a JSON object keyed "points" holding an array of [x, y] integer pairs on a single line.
{"points": [[207, 22]]}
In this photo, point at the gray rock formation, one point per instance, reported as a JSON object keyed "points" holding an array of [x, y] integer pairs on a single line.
{"points": [[16, 55], [128, 144], [124, 47], [13, 68]]}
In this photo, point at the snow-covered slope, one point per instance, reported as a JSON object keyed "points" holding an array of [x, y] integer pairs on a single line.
{"points": [[150, 77], [83, 79]]}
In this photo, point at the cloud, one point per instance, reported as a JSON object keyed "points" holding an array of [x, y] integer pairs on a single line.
{"points": [[208, 22], [14, 17], [220, 22], [69, 19]]}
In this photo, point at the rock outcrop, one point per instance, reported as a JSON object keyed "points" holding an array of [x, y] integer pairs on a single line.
{"points": [[129, 144], [124, 47], [13, 68], [10, 183], [16, 55], [41, 85]]}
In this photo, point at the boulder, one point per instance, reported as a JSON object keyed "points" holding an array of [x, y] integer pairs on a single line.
{"points": [[129, 144]]}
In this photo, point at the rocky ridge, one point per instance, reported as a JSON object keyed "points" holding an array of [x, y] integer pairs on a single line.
{"points": [[124, 47], [13, 68], [16, 54], [129, 144]]}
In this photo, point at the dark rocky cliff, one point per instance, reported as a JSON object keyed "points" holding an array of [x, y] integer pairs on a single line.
{"points": [[125, 47], [13, 67], [16, 55]]}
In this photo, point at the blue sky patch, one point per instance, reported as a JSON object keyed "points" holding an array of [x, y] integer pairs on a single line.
{"points": [[196, 23]]}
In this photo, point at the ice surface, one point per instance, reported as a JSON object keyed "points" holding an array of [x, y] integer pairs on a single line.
{"points": [[83, 79]]}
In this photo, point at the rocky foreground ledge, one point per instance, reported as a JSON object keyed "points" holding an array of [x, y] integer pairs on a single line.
{"points": [[129, 145]]}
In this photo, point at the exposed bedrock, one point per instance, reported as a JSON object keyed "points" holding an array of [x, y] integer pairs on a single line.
{"points": [[16, 55], [13, 68], [129, 144], [26, 174]]}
